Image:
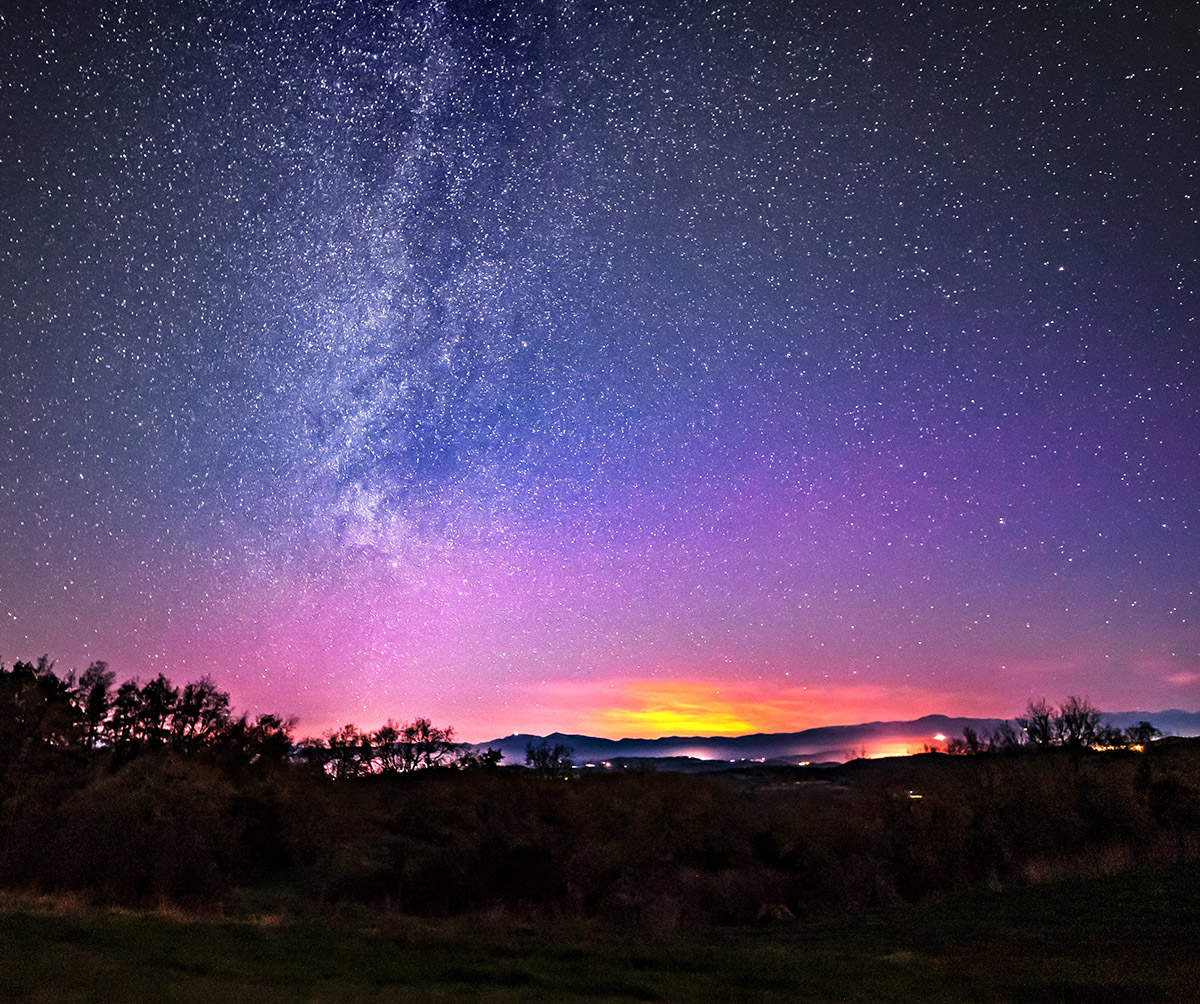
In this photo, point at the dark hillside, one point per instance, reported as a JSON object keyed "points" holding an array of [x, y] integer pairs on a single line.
{"points": [[642, 846], [161, 795]]}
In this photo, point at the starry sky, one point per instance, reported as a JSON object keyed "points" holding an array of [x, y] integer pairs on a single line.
{"points": [[683, 368]]}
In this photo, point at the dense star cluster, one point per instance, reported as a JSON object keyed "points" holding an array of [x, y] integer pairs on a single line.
{"points": [[535, 365]]}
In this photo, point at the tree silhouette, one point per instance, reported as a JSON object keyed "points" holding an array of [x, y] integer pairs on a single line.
{"points": [[126, 710], [36, 712], [388, 751], [158, 701], [265, 742], [349, 752], [200, 715], [1003, 739], [428, 745], [1038, 723], [470, 760], [1077, 723], [1142, 734], [94, 697], [400, 748], [549, 760]]}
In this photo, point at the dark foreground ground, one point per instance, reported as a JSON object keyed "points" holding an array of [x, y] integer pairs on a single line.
{"points": [[1122, 939]]}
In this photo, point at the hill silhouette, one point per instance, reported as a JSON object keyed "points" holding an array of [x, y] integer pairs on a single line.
{"points": [[827, 743]]}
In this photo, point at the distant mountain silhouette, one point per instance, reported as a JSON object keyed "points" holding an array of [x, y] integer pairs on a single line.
{"points": [[827, 743]]}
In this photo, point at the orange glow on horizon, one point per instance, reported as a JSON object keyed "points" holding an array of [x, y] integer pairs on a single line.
{"points": [[653, 708], [675, 708]]}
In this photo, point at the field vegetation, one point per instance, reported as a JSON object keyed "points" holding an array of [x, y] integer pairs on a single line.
{"points": [[1116, 939]]}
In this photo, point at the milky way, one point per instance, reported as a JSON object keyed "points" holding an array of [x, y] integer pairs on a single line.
{"points": [[705, 368]]}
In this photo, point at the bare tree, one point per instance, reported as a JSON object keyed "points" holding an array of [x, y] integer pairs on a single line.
{"points": [[471, 760], [388, 751], [349, 752], [1038, 723], [427, 745], [548, 760], [1077, 723], [1142, 734], [1003, 738]]}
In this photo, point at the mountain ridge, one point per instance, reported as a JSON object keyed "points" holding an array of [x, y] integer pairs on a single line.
{"points": [[826, 742]]}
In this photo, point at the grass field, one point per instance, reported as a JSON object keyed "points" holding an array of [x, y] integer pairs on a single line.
{"points": [[1123, 939]]}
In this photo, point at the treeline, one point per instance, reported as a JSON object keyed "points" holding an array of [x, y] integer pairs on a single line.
{"points": [[214, 808], [88, 712], [144, 792], [1074, 725], [41, 711], [393, 748]]}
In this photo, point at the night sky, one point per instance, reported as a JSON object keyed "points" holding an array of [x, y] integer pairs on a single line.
{"points": [[690, 368]]}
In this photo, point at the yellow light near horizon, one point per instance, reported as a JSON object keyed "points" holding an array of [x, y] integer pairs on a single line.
{"points": [[891, 747], [653, 708], [650, 708], [675, 721]]}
